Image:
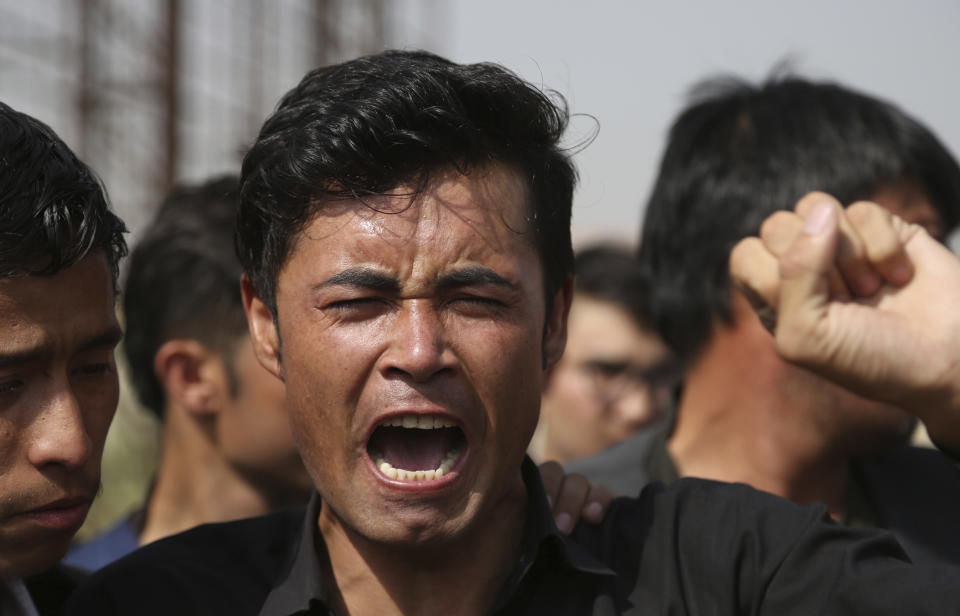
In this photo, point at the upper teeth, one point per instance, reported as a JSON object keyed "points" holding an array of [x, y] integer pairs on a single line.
{"points": [[423, 422]]}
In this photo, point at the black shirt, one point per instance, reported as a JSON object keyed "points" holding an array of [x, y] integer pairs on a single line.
{"points": [[913, 492], [696, 547], [50, 589]]}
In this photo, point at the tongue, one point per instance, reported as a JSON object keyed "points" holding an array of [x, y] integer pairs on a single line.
{"points": [[412, 449]]}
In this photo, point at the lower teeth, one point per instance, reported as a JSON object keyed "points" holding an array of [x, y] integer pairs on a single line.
{"points": [[404, 475]]}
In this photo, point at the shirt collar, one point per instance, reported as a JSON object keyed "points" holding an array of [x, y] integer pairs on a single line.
{"points": [[303, 583], [543, 540], [15, 598], [304, 586]]}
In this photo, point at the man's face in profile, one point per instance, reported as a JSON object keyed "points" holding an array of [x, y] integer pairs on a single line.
{"points": [[58, 393], [413, 351], [253, 431]]}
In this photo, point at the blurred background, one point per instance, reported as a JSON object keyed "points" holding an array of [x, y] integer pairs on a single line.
{"points": [[155, 92]]}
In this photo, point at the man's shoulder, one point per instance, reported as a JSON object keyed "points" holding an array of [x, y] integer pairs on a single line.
{"points": [[679, 521], [224, 568], [703, 504], [699, 546]]}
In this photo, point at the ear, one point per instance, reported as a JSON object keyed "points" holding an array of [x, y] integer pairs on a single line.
{"points": [[263, 329], [193, 377], [555, 329]]}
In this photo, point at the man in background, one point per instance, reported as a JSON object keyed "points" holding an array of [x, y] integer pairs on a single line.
{"points": [[59, 249], [735, 156], [615, 375], [227, 451]]}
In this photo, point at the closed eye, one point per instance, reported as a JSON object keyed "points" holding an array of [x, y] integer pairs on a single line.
{"points": [[479, 300], [348, 304], [95, 369], [11, 386], [476, 302], [358, 308]]}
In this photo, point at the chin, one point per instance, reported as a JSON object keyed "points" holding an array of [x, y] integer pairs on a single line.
{"points": [[31, 561], [408, 526]]}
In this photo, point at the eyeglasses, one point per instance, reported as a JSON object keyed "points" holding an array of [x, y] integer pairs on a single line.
{"points": [[613, 380]]}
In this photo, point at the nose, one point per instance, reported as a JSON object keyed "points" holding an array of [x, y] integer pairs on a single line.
{"points": [[635, 407], [58, 434], [418, 347]]}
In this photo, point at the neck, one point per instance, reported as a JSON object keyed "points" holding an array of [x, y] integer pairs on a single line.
{"points": [[196, 485], [742, 419], [463, 575]]}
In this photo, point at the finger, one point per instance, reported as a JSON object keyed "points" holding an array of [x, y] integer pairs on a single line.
{"points": [[779, 230], [851, 257], [756, 272], [551, 474], [778, 233], [881, 241], [598, 503], [804, 271], [571, 501]]}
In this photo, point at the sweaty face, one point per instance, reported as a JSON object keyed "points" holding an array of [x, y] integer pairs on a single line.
{"points": [[413, 346], [58, 393], [614, 378]]}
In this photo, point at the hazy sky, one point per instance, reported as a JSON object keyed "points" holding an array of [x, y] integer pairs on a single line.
{"points": [[629, 64]]}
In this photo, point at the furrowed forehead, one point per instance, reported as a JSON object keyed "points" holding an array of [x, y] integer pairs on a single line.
{"points": [[484, 197]]}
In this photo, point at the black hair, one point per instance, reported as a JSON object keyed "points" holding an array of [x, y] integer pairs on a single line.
{"points": [[183, 281], [369, 125], [740, 152], [53, 209], [612, 274]]}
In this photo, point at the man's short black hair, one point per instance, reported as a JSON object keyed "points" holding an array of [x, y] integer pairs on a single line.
{"points": [[183, 281], [612, 274], [53, 210], [739, 152], [369, 125]]}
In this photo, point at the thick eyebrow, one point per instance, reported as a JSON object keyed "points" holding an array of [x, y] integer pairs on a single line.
{"points": [[363, 277], [8, 360], [106, 339], [474, 276]]}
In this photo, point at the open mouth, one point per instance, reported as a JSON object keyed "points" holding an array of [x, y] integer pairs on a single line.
{"points": [[416, 447]]}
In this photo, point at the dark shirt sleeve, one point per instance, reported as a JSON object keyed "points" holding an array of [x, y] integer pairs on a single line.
{"points": [[713, 548]]}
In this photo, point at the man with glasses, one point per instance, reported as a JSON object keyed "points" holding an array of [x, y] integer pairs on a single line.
{"points": [[615, 376]]}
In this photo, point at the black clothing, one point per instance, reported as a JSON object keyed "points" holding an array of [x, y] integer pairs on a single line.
{"points": [[696, 547], [50, 589], [912, 492]]}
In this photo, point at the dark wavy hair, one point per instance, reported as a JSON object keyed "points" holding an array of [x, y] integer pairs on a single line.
{"points": [[369, 125], [183, 281], [53, 209], [739, 152]]}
